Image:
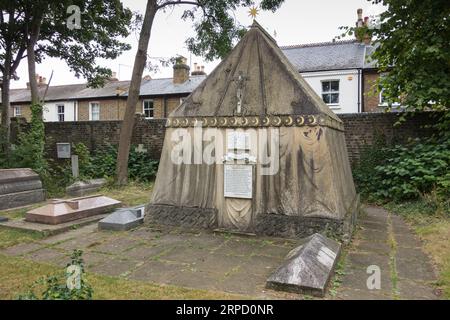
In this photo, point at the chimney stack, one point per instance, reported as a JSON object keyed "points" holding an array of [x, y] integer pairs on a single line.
{"points": [[180, 70], [198, 70], [361, 28], [41, 81]]}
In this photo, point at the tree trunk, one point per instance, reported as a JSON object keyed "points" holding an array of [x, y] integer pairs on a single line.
{"points": [[126, 130], [6, 116], [33, 36]]}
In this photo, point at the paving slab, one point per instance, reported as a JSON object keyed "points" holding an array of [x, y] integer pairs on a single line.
{"points": [[115, 267], [49, 255], [22, 248], [354, 294], [415, 290], [415, 270], [379, 247], [156, 271]]}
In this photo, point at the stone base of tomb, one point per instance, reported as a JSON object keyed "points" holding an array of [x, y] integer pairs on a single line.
{"points": [[274, 225], [181, 216]]}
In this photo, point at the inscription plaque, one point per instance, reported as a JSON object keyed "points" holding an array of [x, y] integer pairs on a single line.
{"points": [[238, 181]]}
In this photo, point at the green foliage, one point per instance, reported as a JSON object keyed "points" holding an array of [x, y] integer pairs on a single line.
{"points": [[56, 286], [102, 164], [84, 159], [29, 152], [413, 48], [404, 172]]}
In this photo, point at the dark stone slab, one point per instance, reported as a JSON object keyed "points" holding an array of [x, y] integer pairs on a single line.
{"points": [[82, 188], [19, 187], [123, 219], [308, 268], [3, 219]]}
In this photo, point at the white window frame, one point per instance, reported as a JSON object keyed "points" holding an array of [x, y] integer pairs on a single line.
{"points": [[152, 108], [91, 118], [63, 114], [17, 114], [331, 92]]}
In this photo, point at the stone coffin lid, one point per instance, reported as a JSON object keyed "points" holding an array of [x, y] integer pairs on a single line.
{"points": [[21, 174], [258, 71], [307, 268], [65, 207]]}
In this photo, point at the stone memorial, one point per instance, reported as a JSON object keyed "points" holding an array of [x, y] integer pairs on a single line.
{"points": [[61, 211], [123, 219], [254, 149], [308, 268], [19, 187], [82, 188]]}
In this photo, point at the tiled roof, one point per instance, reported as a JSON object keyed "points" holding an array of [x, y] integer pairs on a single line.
{"points": [[166, 86], [327, 55]]}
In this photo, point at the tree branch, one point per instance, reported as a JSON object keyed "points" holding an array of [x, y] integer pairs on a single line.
{"points": [[170, 3]]}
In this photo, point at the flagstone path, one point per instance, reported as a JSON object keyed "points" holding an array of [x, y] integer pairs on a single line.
{"points": [[221, 262], [385, 241]]}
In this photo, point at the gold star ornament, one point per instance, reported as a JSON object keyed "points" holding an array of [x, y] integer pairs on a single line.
{"points": [[253, 12]]}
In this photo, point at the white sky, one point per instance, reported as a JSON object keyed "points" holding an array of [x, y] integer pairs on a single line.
{"points": [[296, 22]]}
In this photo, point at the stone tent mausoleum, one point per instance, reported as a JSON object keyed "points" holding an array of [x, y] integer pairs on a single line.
{"points": [[254, 149]]}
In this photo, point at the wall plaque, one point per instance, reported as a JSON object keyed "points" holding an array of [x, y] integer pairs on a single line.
{"points": [[238, 181]]}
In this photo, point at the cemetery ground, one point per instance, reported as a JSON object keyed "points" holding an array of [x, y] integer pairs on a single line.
{"points": [[155, 262]]}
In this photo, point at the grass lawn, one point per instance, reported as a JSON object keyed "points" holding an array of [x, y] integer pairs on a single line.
{"points": [[434, 229]]}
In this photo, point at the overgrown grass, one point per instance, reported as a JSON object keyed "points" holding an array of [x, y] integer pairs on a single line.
{"points": [[135, 193], [18, 274], [10, 237], [432, 225]]}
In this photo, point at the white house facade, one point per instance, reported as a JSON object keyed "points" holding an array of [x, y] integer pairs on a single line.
{"points": [[60, 111]]}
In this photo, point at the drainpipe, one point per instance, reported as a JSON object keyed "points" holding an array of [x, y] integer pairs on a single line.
{"points": [[165, 106], [359, 90]]}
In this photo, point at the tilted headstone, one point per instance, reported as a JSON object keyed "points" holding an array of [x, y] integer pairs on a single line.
{"points": [[123, 219], [19, 187], [308, 268], [82, 188]]}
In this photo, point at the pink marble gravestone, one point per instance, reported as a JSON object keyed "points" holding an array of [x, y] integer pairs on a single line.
{"points": [[60, 211]]}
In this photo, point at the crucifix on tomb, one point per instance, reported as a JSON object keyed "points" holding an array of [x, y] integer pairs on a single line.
{"points": [[240, 80]]}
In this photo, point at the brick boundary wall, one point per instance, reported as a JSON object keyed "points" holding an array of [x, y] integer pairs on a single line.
{"points": [[360, 129]]}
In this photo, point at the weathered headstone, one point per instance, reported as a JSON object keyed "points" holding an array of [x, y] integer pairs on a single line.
{"points": [[82, 188], [123, 219], [308, 268], [75, 169], [19, 187]]}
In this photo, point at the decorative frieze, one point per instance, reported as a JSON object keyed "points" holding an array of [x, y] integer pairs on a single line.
{"points": [[256, 121]]}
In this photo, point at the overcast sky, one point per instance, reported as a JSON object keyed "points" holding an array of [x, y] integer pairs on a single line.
{"points": [[296, 22]]}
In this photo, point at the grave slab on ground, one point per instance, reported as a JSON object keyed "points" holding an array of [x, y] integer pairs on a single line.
{"points": [[82, 188], [123, 219], [19, 187], [308, 268], [61, 211]]}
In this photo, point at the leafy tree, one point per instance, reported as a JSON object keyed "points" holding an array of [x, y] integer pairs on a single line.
{"points": [[39, 28], [412, 39], [216, 31]]}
